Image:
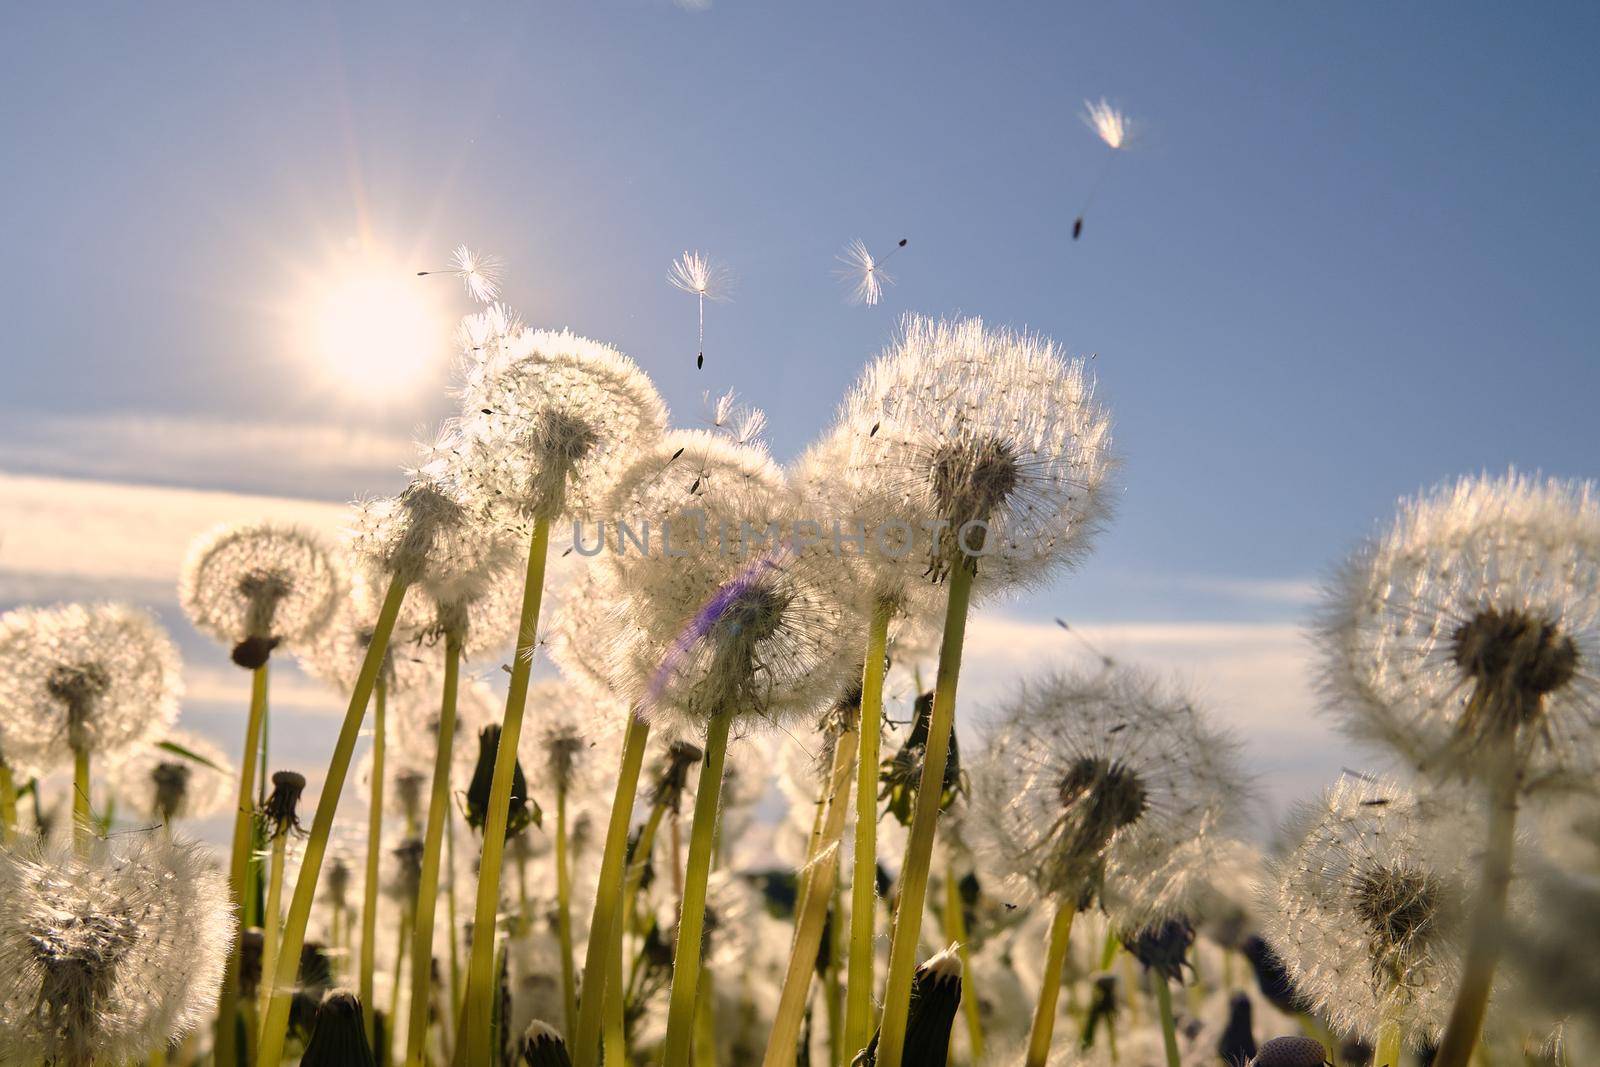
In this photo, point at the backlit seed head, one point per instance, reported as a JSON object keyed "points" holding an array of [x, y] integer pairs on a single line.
{"points": [[156, 782], [256, 585], [1465, 636], [78, 677]]}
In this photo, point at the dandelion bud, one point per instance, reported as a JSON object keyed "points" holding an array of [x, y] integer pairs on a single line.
{"points": [[1272, 975], [901, 773], [1102, 1006], [408, 868], [542, 1046], [1291, 1052], [673, 778], [253, 652], [1163, 948], [339, 1037], [251, 945], [287, 786], [408, 788], [935, 999], [521, 812], [337, 882], [1238, 1043]]}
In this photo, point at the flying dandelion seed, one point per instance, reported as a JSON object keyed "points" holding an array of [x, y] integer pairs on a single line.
{"points": [[865, 273], [479, 273], [705, 279], [1112, 127]]}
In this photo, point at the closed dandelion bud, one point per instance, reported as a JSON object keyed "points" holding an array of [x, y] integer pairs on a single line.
{"points": [[258, 585], [1103, 1005], [522, 811], [107, 955], [901, 773], [935, 999], [339, 1037], [408, 868], [1272, 976], [1465, 636], [1291, 1052], [541, 1046], [1238, 1043], [673, 776], [83, 678], [1163, 947], [280, 811]]}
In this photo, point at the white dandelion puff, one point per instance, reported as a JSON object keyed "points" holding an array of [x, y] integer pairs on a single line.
{"points": [[181, 776], [1108, 123], [107, 956]]}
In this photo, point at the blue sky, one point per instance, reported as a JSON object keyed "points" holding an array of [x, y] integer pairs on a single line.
{"points": [[1351, 253]]}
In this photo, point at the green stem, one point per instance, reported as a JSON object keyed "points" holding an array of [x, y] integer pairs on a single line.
{"points": [[407, 924], [1044, 1013], [705, 1022], [955, 925], [239, 865], [1483, 946], [598, 976], [617, 991], [369, 895], [274, 1028], [8, 805], [785, 1034], [692, 910], [480, 966], [569, 985], [859, 981], [1169, 1032], [924, 823], [82, 817], [453, 919], [272, 915], [1387, 1052], [432, 846]]}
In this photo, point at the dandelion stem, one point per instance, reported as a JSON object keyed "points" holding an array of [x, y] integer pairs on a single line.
{"points": [[1169, 1033], [1387, 1052], [1044, 1013], [569, 984], [924, 823], [955, 926], [272, 916], [615, 992], [598, 976], [813, 914], [274, 1028], [369, 898], [705, 1022], [82, 825], [239, 865], [692, 907], [8, 805], [480, 965], [432, 845], [403, 936], [864, 878], [451, 915], [1483, 946]]}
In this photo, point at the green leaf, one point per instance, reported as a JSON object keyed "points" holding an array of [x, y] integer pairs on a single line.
{"points": [[188, 754]]}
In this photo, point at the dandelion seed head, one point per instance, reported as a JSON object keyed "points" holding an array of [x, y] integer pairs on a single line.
{"points": [[1108, 124], [158, 783], [1367, 912], [1467, 634], [988, 444], [263, 581], [699, 275], [863, 273], [108, 955], [572, 736], [95, 678], [547, 419], [1107, 786]]}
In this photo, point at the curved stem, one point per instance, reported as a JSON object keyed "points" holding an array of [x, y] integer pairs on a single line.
{"points": [[427, 901], [227, 1040], [1483, 946], [785, 1034], [369, 891], [480, 966], [955, 927], [271, 916], [692, 910], [1044, 1013], [569, 984], [274, 1028], [924, 823], [1169, 1033], [864, 875], [598, 975]]}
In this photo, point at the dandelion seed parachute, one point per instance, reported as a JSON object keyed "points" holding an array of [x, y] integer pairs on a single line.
{"points": [[109, 955], [1368, 911], [1468, 633], [479, 273], [263, 583], [1108, 786], [96, 678], [1113, 128], [703, 278], [864, 273]]}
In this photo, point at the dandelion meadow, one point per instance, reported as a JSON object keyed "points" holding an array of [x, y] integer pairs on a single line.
{"points": [[694, 534]]}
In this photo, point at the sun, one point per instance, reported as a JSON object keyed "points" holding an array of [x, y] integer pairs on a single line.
{"points": [[374, 330]]}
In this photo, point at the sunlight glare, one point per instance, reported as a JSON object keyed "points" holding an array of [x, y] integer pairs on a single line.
{"points": [[374, 331]]}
